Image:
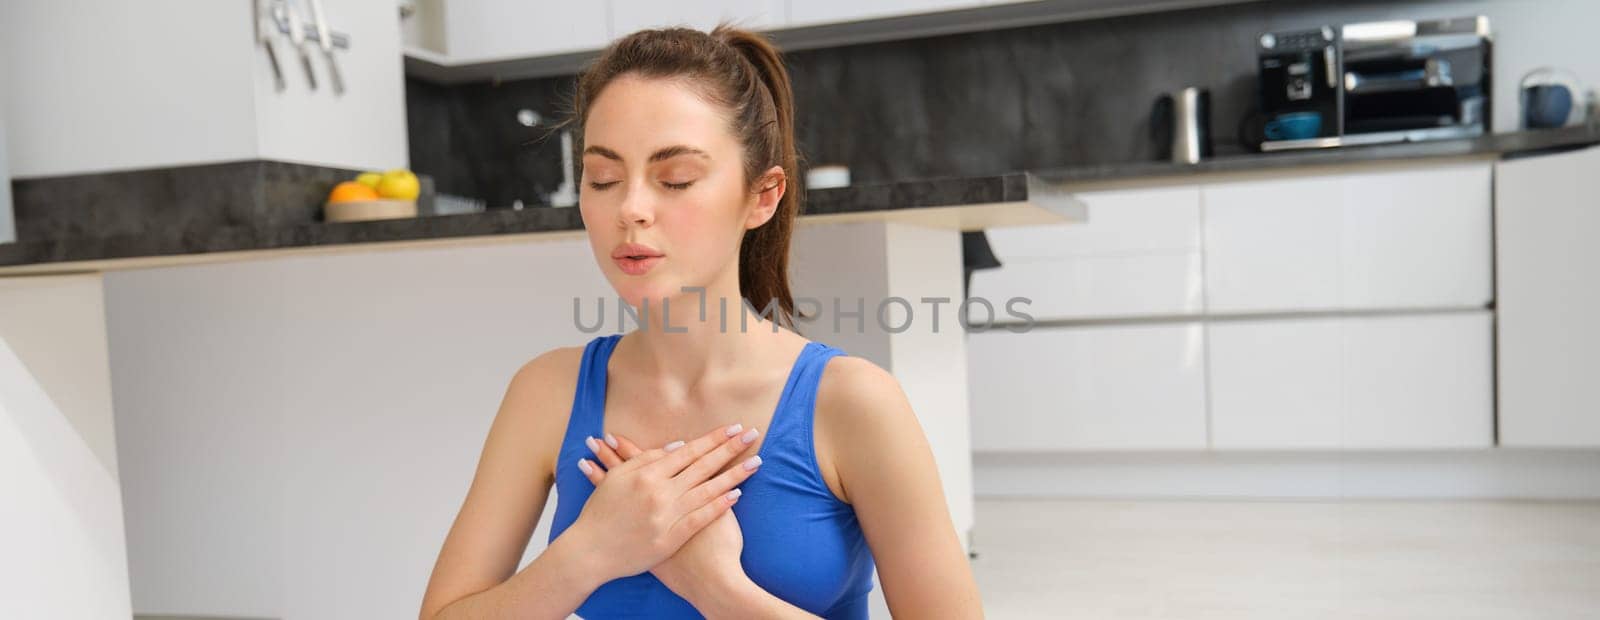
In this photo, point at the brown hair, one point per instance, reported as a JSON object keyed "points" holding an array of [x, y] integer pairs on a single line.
{"points": [[743, 72]]}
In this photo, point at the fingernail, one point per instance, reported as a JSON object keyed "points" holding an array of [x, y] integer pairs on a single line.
{"points": [[734, 494], [734, 430], [749, 436], [584, 465], [674, 446], [750, 464], [611, 441], [589, 441]]}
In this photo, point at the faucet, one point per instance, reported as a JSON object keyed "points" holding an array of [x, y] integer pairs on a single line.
{"points": [[566, 194]]}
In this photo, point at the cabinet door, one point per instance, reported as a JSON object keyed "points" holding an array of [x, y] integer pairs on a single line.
{"points": [[815, 12], [482, 30], [1417, 238], [1412, 238], [1138, 254], [1275, 384], [1088, 388], [1423, 381], [1272, 245], [631, 15], [1547, 223], [1393, 382]]}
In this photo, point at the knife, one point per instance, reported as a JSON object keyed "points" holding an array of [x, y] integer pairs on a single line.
{"points": [[325, 40], [297, 35], [264, 36]]}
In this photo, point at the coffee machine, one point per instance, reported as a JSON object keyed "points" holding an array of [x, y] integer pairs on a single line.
{"points": [[1375, 82]]}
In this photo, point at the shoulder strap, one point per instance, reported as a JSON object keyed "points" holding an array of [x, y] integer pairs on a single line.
{"points": [[588, 400], [800, 395]]}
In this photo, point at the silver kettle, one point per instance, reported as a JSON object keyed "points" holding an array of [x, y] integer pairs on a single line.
{"points": [[1180, 125]]}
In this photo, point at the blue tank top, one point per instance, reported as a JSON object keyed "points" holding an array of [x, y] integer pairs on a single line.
{"points": [[801, 543]]}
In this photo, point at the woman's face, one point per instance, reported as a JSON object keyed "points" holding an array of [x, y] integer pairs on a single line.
{"points": [[662, 169]]}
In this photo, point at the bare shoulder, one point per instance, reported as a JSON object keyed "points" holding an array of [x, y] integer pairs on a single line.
{"points": [[553, 369], [538, 400], [860, 406], [855, 383]]}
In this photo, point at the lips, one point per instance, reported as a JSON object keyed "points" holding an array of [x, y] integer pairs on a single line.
{"points": [[634, 250], [635, 258]]}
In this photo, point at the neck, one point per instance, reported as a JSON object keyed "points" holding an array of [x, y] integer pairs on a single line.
{"points": [[677, 345]]}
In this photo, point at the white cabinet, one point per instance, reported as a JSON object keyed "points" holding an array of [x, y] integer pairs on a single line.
{"points": [[1411, 238], [483, 30], [1137, 255], [1139, 387], [1386, 382], [1272, 244], [1417, 238], [1276, 384], [1547, 225], [815, 12], [631, 15]]}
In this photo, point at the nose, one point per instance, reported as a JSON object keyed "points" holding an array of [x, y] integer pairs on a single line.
{"points": [[636, 209]]}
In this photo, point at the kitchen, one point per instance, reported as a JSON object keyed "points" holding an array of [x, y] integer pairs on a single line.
{"points": [[1263, 377]]}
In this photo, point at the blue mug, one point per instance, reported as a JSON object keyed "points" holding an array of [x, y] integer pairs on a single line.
{"points": [[1294, 126]]}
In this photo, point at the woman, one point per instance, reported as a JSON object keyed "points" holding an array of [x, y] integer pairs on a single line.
{"points": [[671, 501]]}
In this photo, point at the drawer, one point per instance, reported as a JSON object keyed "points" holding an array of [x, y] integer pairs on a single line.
{"points": [[1418, 238], [1137, 255], [1410, 238], [1272, 245], [1088, 388], [1396, 382], [1096, 286], [1159, 221]]}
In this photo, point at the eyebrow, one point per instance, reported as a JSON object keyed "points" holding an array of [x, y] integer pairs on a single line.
{"points": [[661, 155]]}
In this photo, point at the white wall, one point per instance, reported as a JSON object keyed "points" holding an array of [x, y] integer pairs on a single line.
{"points": [[103, 85], [61, 516]]}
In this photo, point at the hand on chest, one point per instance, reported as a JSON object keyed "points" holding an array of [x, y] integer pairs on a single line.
{"points": [[651, 420]]}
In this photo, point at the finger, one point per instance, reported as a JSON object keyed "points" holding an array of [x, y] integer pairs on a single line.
{"points": [[591, 471], [707, 466], [699, 518], [721, 483], [675, 458], [626, 448], [603, 452]]}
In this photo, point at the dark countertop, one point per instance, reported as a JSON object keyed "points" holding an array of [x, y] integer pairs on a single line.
{"points": [[257, 206], [1504, 144], [193, 223]]}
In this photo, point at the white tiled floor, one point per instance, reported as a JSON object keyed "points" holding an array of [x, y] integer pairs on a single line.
{"points": [[1291, 559]]}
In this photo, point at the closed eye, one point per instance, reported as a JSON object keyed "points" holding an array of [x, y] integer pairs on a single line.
{"points": [[600, 186], [678, 186]]}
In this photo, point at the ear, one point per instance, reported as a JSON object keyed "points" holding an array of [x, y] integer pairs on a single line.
{"points": [[769, 192]]}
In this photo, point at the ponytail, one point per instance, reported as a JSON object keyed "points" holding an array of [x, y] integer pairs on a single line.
{"points": [[764, 255]]}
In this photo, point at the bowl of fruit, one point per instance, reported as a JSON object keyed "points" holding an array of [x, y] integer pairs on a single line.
{"points": [[373, 196]]}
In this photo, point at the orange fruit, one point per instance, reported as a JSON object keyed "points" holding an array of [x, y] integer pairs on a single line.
{"points": [[351, 191]]}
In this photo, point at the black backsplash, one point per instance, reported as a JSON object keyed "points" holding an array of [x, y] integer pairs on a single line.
{"points": [[1076, 93]]}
